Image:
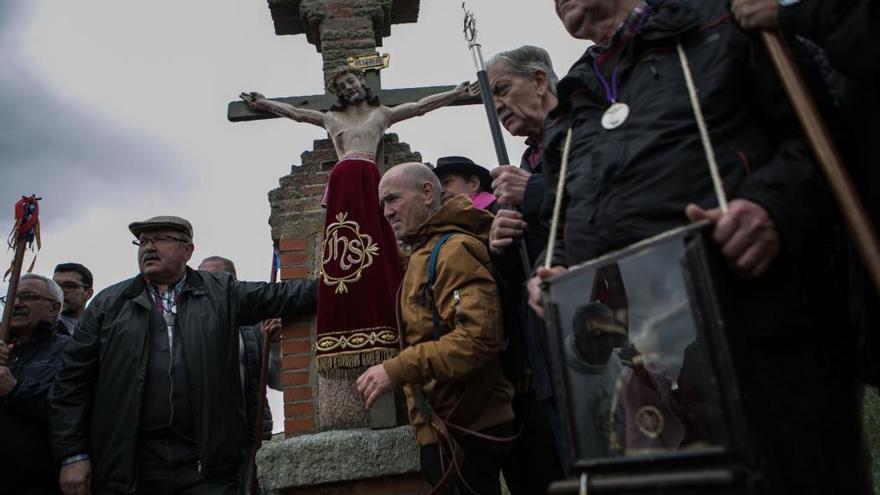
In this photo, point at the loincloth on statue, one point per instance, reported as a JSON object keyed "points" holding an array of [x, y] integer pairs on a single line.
{"points": [[360, 274], [364, 156]]}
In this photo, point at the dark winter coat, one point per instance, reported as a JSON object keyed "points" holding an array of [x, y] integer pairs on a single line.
{"points": [[847, 31], [630, 183], [252, 336], [26, 460], [96, 401]]}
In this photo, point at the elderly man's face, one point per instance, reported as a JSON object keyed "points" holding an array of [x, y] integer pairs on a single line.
{"points": [[580, 17], [33, 304], [519, 100], [406, 207], [454, 185], [351, 88], [163, 254]]}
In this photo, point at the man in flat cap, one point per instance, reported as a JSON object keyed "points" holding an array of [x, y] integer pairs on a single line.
{"points": [[460, 175], [149, 397]]}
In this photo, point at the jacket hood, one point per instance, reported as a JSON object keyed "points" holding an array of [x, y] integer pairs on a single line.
{"points": [[457, 215]]}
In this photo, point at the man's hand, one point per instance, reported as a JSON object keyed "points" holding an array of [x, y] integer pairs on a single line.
{"points": [[7, 381], [374, 383], [756, 14], [76, 478], [5, 349], [272, 329], [535, 297], [507, 226], [468, 88], [509, 185], [747, 235], [251, 99]]}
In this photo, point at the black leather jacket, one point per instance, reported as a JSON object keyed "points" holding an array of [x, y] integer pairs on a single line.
{"points": [[96, 401]]}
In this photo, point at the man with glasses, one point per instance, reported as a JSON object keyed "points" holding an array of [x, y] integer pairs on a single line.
{"points": [[76, 282], [28, 364], [149, 398]]}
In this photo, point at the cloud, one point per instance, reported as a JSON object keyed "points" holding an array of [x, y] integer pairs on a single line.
{"points": [[60, 150]]}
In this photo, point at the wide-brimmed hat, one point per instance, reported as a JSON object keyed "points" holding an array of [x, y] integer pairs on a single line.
{"points": [[164, 222], [459, 165]]}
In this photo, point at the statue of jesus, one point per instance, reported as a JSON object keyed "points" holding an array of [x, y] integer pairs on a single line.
{"points": [[360, 268], [357, 122]]}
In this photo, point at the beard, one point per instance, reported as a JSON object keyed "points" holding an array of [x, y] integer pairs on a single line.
{"points": [[355, 99]]}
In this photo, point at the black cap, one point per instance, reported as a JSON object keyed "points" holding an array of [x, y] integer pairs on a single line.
{"points": [[165, 222], [459, 165]]}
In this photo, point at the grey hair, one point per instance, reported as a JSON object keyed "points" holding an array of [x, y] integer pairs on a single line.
{"points": [[524, 61], [53, 286]]}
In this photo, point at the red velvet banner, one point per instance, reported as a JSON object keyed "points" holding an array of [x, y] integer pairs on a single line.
{"points": [[360, 274]]}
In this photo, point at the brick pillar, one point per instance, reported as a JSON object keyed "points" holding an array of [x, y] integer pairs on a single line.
{"points": [[299, 407], [297, 222]]}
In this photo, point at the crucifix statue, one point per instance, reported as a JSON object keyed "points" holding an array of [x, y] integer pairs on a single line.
{"points": [[357, 258], [358, 120]]}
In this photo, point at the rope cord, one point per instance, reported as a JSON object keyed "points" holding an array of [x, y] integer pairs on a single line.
{"points": [[704, 133], [557, 206]]}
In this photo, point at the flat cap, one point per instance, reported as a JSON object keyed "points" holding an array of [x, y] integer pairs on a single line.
{"points": [[164, 222]]}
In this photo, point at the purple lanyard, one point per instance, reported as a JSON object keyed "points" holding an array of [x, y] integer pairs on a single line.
{"points": [[611, 90]]}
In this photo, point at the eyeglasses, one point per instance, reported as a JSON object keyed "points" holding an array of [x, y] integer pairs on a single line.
{"points": [[71, 286], [27, 297], [157, 240]]}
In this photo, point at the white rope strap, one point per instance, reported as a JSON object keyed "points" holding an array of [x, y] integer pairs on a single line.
{"points": [[557, 206], [704, 133]]}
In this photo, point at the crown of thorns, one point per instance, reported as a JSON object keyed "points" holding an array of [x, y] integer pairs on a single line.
{"points": [[339, 72]]}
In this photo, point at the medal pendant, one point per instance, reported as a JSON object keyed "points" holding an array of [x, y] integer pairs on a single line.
{"points": [[615, 116]]}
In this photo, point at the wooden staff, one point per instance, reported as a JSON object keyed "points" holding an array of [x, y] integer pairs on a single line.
{"points": [[17, 261], [25, 230], [826, 152], [261, 393]]}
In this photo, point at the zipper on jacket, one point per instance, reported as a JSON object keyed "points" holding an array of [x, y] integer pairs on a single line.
{"points": [[195, 403], [139, 396]]}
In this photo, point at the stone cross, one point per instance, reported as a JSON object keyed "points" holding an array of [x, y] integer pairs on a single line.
{"points": [[326, 24], [338, 29]]}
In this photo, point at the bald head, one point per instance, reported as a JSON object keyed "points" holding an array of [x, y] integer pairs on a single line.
{"points": [[409, 193]]}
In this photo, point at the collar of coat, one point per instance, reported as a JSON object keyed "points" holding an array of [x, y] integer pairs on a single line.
{"points": [[195, 285], [44, 331], [456, 215], [670, 20]]}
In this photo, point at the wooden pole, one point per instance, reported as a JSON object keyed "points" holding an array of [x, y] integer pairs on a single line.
{"points": [[17, 261], [261, 395], [826, 153]]}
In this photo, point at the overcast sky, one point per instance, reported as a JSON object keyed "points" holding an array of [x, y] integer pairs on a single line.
{"points": [[116, 111]]}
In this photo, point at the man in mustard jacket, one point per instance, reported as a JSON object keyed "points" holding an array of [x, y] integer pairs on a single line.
{"points": [[448, 369]]}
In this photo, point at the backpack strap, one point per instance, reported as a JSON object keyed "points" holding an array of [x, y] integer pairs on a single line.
{"points": [[432, 277]]}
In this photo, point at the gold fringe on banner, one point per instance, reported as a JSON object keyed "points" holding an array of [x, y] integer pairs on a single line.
{"points": [[351, 364]]}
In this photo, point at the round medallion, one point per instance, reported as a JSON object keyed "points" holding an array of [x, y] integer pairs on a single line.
{"points": [[615, 116], [650, 421]]}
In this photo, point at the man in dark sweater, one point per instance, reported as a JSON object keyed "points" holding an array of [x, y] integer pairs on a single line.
{"points": [[28, 364]]}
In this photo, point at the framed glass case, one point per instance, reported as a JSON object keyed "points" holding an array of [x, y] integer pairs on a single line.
{"points": [[642, 373]]}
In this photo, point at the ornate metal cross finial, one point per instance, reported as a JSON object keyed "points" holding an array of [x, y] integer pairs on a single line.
{"points": [[470, 26]]}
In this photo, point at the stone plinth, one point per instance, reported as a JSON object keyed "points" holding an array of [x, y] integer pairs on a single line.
{"points": [[342, 462]]}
